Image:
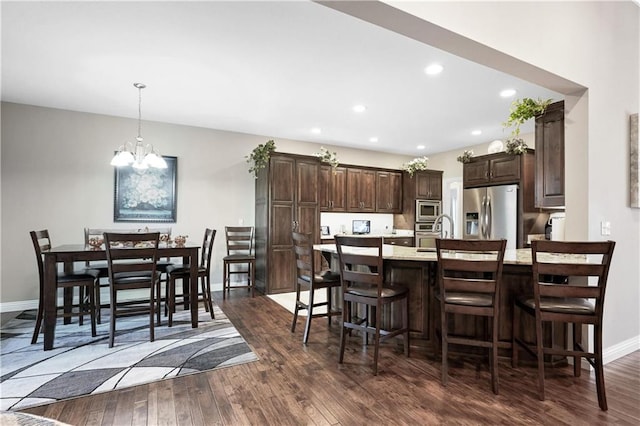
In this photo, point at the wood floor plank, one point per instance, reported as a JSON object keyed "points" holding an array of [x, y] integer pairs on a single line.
{"points": [[296, 384]]}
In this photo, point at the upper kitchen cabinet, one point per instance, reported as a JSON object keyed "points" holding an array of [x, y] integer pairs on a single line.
{"points": [[550, 157], [361, 190], [494, 169], [427, 184], [388, 192], [333, 189], [286, 199]]}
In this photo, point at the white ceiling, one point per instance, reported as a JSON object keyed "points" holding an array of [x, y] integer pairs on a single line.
{"points": [[269, 68]]}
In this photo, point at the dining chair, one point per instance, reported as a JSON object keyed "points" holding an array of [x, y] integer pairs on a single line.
{"points": [[85, 280], [94, 237], [365, 294], [570, 293], [308, 279], [132, 260], [239, 253], [469, 281], [182, 271]]}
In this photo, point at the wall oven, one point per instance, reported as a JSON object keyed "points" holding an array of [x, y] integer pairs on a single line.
{"points": [[427, 210], [425, 236]]}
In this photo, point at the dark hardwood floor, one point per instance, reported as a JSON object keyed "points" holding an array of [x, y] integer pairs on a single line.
{"points": [[293, 384]]}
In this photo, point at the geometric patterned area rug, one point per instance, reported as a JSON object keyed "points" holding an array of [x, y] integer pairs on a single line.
{"points": [[80, 364]]}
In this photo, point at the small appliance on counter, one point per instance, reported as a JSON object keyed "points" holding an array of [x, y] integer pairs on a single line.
{"points": [[360, 227], [555, 227]]}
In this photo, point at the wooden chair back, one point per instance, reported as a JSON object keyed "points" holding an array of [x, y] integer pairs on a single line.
{"points": [[132, 253], [303, 250], [41, 242], [361, 263], [239, 240], [207, 249], [471, 267], [554, 259]]}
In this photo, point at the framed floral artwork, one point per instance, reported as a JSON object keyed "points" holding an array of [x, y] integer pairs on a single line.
{"points": [[146, 195]]}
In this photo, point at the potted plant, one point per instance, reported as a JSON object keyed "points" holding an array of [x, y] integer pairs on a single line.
{"points": [[466, 156], [260, 156], [328, 157], [523, 110], [414, 165]]}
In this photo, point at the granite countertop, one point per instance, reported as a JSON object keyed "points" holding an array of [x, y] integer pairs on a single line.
{"points": [[511, 256]]}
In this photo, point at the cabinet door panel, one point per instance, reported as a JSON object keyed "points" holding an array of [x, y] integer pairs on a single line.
{"points": [[324, 188], [475, 173], [383, 192], [550, 157], [339, 189], [282, 274], [367, 190], [282, 179], [505, 169], [307, 182], [281, 225]]}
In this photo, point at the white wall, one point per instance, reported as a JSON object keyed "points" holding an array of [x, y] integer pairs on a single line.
{"points": [[56, 175]]}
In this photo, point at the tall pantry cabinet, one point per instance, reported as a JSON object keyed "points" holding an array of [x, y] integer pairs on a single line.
{"points": [[286, 200]]}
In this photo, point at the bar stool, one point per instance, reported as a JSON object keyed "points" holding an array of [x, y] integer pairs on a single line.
{"points": [[361, 275], [309, 280], [569, 300], [239, 253], [469, 277]]}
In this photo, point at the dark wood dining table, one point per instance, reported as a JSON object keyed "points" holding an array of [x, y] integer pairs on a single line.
{"points": [[70, 253]]}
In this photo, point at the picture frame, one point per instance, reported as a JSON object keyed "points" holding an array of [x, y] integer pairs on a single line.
{"points": [[146, 195]]}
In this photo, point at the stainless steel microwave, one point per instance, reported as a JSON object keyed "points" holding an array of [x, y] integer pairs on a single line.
{"points": [[427, 210]]}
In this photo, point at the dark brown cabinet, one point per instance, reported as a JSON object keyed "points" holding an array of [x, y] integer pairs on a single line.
{"points": [[286, 199], [361, 190], [333, 189], [388, 192], [492, 169], [428, 185], [550, 157]]}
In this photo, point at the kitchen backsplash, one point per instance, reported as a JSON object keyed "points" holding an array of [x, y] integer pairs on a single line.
{"points": [[340, 223]]}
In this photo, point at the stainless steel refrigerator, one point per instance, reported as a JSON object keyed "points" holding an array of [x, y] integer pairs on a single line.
{"points": [[491, 213]]}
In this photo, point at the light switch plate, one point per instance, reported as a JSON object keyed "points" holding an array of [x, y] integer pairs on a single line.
{"points": [[605, 228]]}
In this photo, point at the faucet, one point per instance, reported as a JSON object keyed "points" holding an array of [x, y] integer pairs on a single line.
{"points": [[439, 219]]}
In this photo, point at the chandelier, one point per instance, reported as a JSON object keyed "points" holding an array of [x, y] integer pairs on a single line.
{"points": [[138, 155]]}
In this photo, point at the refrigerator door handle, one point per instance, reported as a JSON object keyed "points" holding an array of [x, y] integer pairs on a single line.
{"points": [[482, 218], [488, 218]]}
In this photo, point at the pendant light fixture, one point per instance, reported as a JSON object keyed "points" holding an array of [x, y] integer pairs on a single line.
{"points": [[138, 155]]}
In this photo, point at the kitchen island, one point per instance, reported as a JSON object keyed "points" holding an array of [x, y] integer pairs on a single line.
{"points": [[417, 270]]}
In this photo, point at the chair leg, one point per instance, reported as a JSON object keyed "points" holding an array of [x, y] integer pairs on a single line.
{"points": [[97, 299], [494, 354], [540, 355], [376, 340], [112, 319], [171, 299], [346, 317], [329, 307], [92, 307], [81, 305], [445, 346], [602, 395], [39, 316], [296, 308], [152, 304], [307, 325], [206, 291], [577, 339], [252, 278], [225, 277]]}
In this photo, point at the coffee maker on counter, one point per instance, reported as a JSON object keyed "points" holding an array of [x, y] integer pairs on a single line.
{"points": [[554, 229]]}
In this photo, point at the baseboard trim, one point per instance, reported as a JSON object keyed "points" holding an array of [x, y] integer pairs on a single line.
{"points": [[18, 306], [621, 349]]}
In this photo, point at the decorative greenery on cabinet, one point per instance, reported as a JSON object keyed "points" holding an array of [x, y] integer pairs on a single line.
{"points": [[260, 156]]}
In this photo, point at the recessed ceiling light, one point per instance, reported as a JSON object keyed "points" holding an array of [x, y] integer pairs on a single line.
{"points": [[507, 93], [316, 131], [476, 132], [359, 108], [373, 139], [420, 147], [433, 69]]}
